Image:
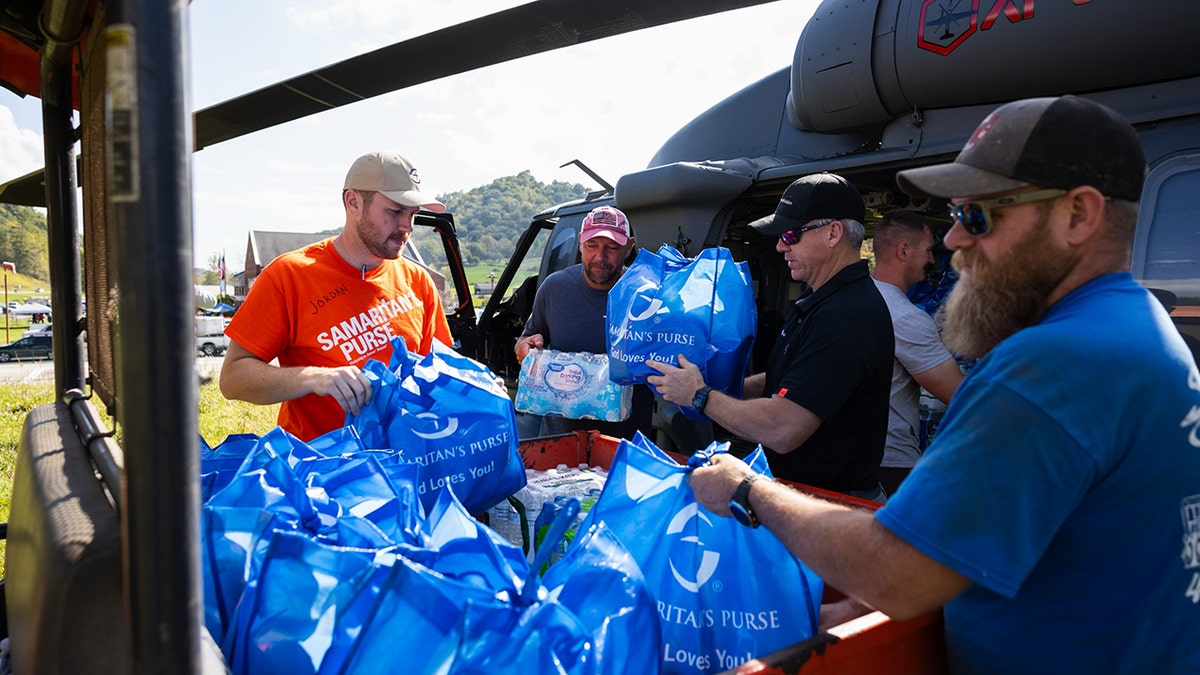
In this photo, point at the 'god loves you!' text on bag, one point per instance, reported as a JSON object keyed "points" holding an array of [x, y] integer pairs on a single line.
{"points": [[666, 304]]}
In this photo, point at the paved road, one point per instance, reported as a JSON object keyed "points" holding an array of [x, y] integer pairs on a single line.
{"points": [[43, 371], [27, 371]]}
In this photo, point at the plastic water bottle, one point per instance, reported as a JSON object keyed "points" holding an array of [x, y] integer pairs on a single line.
{"points": [[549, 512], [542, 487]]}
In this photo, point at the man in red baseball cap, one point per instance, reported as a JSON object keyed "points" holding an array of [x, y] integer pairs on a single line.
{"points": [[569, 313]]}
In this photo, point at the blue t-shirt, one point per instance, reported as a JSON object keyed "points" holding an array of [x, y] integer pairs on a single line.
{"points": [[1065, 483]]}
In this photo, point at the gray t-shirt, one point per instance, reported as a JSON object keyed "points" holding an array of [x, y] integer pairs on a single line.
{"points": [[918, 349], [570, 315]]}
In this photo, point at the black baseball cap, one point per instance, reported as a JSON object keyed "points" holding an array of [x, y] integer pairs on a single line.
{"points": [[1061, 142], [814, 197]]}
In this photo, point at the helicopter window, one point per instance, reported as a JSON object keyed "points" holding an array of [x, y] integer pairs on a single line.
{"points": [[563, 250], [1166, 251]]}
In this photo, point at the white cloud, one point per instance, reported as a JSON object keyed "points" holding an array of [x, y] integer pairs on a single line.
{"points": [[22, 147]]}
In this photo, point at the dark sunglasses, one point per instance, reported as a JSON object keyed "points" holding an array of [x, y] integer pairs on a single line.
{"points": [[792, 236], [976, 217]]}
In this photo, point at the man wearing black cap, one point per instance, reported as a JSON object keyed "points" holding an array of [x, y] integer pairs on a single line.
{"points": [[1056, 515], [821, 408]]}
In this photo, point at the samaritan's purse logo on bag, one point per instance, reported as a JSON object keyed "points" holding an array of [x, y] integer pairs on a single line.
{"points": [[708, 559], [653, 305], [431, 431], [641, 487]]}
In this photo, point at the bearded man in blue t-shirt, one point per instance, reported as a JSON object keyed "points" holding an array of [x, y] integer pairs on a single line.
{"points": [[1056, 516]]}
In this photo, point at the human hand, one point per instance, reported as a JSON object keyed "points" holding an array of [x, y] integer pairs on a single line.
{"points": [[529, 342], [677, 385], [347, 385], [715, 484]]}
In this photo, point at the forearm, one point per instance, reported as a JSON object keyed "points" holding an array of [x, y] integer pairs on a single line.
{"points": [[942, 380], [854, 553], [254, 381], [776, 423], [753, 386]]}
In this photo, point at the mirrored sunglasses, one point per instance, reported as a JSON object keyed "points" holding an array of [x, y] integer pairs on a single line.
{"points": [[976, 216], [790, 237]]}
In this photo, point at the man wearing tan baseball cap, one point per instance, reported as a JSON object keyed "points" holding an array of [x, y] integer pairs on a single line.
{"points": [[392, 176], [324, 310]]}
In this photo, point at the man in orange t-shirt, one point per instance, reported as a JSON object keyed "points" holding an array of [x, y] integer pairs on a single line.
{"points": [[327, 308]]}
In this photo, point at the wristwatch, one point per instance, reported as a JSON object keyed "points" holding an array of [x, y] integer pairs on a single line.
{"points": [[739, 503], [701, 398]]}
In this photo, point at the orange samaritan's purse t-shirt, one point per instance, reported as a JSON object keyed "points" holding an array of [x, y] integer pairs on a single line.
{"points": [[311, 308]]}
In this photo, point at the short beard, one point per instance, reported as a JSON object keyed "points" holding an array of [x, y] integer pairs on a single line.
{"points": [[998, 298], [608, 276], [377, 249]]}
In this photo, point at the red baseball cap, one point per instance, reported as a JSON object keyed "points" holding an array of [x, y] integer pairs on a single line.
{"points": [[606, 221]]}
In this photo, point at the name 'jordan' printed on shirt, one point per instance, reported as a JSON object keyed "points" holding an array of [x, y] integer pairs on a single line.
{"points": [[368, 331], [328, 297]]}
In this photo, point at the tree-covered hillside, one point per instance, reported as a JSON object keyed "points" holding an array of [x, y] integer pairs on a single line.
{"points": [[23, 240], [492, 217]]}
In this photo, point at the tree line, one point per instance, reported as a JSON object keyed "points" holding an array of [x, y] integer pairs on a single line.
{"points": [[491, 218]]}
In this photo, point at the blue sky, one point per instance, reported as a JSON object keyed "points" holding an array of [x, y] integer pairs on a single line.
{"points": [[609, 103]]}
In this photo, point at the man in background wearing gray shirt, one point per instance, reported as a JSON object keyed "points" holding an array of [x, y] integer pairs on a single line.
{"points": [[903, 250]]}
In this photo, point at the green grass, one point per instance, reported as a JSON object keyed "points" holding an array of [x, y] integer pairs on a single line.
{"points": [[218, 418]]}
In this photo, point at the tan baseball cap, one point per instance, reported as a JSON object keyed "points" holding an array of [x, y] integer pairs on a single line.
{"points": [[393, 176]]}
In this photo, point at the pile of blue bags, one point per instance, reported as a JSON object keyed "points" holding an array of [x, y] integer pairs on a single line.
{"points": [[355, 554], [324, 561]]}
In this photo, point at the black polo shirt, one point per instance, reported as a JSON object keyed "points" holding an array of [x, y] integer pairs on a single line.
{"points": [[834, 357]]}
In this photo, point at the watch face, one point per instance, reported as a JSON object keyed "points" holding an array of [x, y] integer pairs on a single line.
{"points": [[739, 514]]}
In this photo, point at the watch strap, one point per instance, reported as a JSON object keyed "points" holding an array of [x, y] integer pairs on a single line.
{"points": [[739, 503]]}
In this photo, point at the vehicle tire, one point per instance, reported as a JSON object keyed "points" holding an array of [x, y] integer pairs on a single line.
{"points": [[209, 349], [5, 358]]}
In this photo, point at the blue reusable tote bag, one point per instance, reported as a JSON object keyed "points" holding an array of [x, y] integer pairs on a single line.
{"points": [[726, 593], [446, 413], [667, 304]]}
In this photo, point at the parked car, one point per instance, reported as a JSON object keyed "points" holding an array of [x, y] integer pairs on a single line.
{"points": [[26, 348], [38, 329]]}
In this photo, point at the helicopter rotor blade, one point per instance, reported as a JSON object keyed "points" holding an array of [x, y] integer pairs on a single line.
{"points": [[533, 28]]}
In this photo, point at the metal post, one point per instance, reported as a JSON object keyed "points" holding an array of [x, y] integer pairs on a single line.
{"points": [[61, 217], [149, 181]]}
